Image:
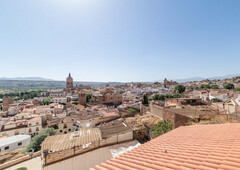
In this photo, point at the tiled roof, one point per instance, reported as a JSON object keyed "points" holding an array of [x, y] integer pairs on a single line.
{"points": [[62, 142], [114, 127], [189, 147]]}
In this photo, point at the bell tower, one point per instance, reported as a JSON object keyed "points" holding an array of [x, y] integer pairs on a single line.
{"points": [[69, 82]]}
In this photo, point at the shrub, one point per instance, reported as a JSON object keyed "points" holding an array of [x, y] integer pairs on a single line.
{"points": [[75, 102], [161, 128], [23, 168], [216, 100], [132, 110]]}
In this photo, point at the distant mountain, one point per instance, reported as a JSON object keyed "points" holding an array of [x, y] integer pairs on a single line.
{"points": [[26, 78], [189, 79], [224, 77], [202, 78]]}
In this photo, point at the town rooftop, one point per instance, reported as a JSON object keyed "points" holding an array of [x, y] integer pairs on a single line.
{"points": [[188, 147]]}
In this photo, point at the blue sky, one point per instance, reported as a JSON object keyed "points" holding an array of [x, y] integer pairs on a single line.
{"points": [[119, 40]]}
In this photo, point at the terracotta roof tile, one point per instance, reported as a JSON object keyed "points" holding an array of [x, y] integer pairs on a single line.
{"points": [[189, 147]]}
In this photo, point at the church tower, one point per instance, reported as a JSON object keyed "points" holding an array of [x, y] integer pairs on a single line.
{"points": [[69, 83]]}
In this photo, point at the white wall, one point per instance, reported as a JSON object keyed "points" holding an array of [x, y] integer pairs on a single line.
{"points": [[14, 146]]}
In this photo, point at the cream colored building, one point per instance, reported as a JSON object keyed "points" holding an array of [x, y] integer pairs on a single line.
{"points": [[14, 127]]}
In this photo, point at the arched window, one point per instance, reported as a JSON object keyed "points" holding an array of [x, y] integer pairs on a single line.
{"points": [[30, 130], [37, 129]]}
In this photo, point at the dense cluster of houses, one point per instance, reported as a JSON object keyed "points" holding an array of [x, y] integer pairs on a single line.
{"points": [[90, 120]]}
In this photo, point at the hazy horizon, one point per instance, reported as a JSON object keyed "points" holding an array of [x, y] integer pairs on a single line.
{"points": [[175, 79]]}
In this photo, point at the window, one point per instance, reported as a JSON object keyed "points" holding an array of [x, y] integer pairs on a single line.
{"points": [[20, 143], [69, 130], [30, 130], [37, 123], [60, 131], [65, 132], [16, 132], [30, 124], [6, 148], [65, 125], [37, 129]]}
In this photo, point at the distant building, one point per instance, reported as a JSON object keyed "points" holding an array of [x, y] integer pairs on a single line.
{"points": [[69, 82], [70, 89], [82, 98], [167, 83], [6, 102]]}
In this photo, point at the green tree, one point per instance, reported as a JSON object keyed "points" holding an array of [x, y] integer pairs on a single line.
{"points": [[216, 100], [179, 89], [23, 168], [204, 86], [89, 97], [229, 86], [161, 128], [38, 139], [145, 100], [214, 86], [132, 110], [46, 102], [75, 102]]}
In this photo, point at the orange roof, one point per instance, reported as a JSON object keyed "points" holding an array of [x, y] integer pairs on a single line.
{"points": [[187, 147]]}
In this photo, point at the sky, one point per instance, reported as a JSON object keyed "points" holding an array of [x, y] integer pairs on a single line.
{"points": [[119, 40]]}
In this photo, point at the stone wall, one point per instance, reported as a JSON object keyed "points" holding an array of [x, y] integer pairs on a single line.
{"points": [[156, 109], [177, 119], [19, 160], [62, 155]]}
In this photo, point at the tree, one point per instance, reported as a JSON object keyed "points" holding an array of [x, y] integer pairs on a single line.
{"points": [[161, 128], [132, 110], [229, 86], [89, 97], [23, 168], [204, 86], [46, 102], [214, 86], [179, 88], [145, 100], [75, 102], [166, 96], [38, 139], [216, 100]]}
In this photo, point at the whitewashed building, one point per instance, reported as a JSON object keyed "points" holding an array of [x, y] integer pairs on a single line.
{"points": [[14, 142]]}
